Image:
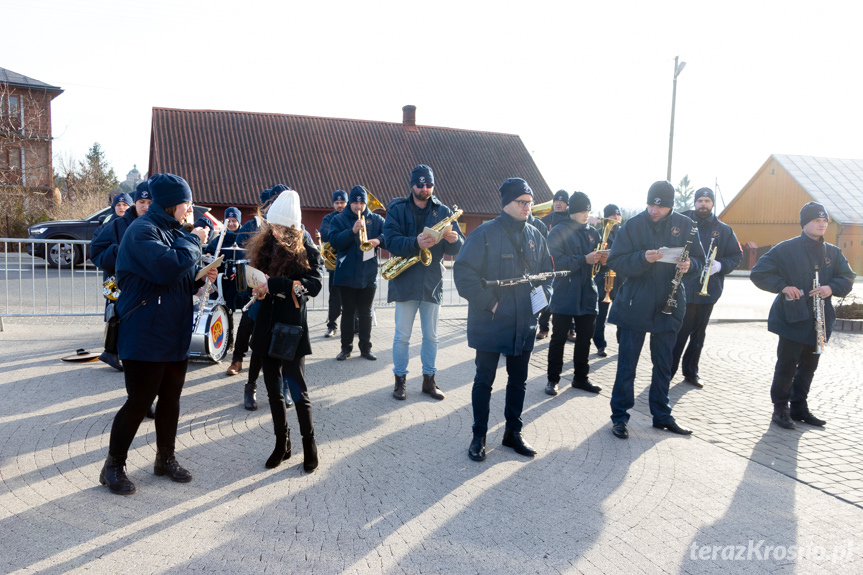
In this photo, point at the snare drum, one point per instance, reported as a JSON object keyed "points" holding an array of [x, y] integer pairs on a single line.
{"points": [[213, 338]]}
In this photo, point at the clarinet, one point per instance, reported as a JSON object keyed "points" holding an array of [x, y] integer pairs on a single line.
{"points": [[671, 302], [523, 279]]}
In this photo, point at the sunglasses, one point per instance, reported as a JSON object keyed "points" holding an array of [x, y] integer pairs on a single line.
{"points": [[421, 186]]}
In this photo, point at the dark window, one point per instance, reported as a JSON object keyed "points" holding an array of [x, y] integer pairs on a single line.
{"points": [[15, 158], [14, 106]]}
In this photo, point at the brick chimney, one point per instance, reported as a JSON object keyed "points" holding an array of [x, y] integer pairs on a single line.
{"points": [[409, 118]]}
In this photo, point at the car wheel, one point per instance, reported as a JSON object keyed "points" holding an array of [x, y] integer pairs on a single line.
{"points": [[62, 255]]}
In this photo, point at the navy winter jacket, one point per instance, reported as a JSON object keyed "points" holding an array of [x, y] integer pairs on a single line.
{"points": [[644, 287], [401, 228], [728, 254], [279, 306], [538, 224], [792, 263], [106, 243], [325, 226], [351, 271], [490, 254], [574, 294], [157, 256]]}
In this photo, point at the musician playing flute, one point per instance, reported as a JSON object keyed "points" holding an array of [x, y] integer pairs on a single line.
{"points": [[419, 288], [788, 270], [572, 245], [713, 234], [646, 292], [503, 319]]}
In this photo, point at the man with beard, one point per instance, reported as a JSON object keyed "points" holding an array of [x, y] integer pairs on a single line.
{"points": [[644, 290], [340, 200], [419, 288], [720, 236]]}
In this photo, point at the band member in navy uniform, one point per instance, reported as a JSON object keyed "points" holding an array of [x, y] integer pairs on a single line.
{"points": [[646, 287], [418, 288], [788, 270], [233, 218], [713, 232], [502, 319], [611, 212], [356, 273], [340, 200], [572, 244], [560, 206]]}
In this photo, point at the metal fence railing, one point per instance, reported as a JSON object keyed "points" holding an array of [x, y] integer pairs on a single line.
{"points": [[56, 278]]}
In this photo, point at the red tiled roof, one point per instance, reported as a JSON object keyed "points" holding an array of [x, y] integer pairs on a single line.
{"points": [[229, 157]]}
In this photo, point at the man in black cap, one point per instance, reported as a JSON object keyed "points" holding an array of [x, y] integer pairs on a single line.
{"points": [[357, 269], [340, 200], [559, 213], [602, 279], [646, 286], [717, 235], [419, 288], [572, 245], [502, 319], [789, 270]]}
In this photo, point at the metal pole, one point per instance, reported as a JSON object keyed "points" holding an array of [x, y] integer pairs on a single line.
{"points": [[671, 134]]}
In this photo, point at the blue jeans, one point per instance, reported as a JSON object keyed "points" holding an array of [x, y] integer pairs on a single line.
{"points": [[486, 368], [623, 394], [406, 312]]}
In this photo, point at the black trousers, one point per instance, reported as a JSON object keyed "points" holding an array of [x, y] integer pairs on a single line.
{"points": [[795, 367], [144, 381], [335, 303], [244, 334], [295, 373], [359, 302], [544, 316], [584, 326], [694, 329], [486, 369]]}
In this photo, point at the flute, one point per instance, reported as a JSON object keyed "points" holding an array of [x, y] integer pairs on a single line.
{"points": [[523, 279]]}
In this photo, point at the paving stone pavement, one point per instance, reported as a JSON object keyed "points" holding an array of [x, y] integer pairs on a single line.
{"points": [[396, 493]]}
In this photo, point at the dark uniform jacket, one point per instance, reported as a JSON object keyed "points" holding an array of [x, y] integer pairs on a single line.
{"points": [[325, 230], [553, 218], [574, 294], [351, 271], [106, 242], [490, 254], [228, 269], [538, 224], [729, 255], [792, 263], [404, 222], [644, 287], [247, 230], [279, 306], [157, 256]]}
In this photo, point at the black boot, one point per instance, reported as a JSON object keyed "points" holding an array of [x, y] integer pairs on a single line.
{"points": [[476, 451], [516, 441], [399, 389], [250, 397], [114, 476], [281, 452], [310, 454], [430, 387], [167, 465], [782, 417]]}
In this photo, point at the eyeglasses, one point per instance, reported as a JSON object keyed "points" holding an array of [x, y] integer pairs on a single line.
{"points": [[524, 203], [421, 186]]}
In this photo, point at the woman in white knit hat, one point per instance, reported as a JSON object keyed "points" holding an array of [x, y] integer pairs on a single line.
{"points": [[286, 253]]}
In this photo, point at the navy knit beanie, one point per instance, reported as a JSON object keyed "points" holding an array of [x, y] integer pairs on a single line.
{"points": [[811, 211], [511, 189], [233, 212], [561, 196], [359, 194], [579, 202], [265, 195], [169, 190], [422, 174], [142, 192], [610, 210], [121, 197], [340, 196], [661, 194], [705, 193]]}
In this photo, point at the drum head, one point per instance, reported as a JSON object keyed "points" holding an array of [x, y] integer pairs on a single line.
{"points": [[219, 333]]}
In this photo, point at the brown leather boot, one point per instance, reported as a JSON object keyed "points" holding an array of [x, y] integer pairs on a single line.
{"points": [[234, 368], [431, 388], [399, 389]]}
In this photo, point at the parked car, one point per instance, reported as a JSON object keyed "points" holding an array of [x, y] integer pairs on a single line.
{"points": [[64, 255]]}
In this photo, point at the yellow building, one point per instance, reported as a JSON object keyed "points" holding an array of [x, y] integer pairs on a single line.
{"points": [[767, 209]]}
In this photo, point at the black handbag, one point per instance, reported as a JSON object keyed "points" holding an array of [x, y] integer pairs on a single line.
{"points": [[112, 328], [285, 341]]}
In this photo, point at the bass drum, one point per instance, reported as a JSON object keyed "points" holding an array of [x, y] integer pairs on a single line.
{"points": [[213, 338]]}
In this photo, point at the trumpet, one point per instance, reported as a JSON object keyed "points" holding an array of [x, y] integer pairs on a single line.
{"points": [[372, 204], [705, 273], [609, 285], [397, 265], [607, 225]]}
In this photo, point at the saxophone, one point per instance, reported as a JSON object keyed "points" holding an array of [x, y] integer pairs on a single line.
{"points": [[818, 307], [327, 252], [671, 302], [395, 266]]}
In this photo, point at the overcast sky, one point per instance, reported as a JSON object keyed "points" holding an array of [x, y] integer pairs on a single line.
{"points": [[587, 85]]}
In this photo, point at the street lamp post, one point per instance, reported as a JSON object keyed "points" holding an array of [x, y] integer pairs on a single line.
{"points": [[678, 68]]}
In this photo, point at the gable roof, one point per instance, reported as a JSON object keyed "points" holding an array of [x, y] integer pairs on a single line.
{"points": [[229, 157], [836, 183], [15, 79]]}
